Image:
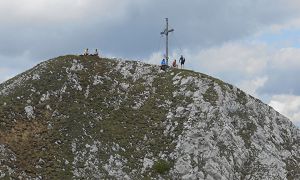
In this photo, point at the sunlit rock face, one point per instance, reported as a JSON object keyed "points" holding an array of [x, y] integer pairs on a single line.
{"points": [[84, 117]]}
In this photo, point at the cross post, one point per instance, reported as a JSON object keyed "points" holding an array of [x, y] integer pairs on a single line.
{"points": [[166, 33]]}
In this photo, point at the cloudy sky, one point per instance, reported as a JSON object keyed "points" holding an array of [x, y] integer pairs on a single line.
{"points": [[253, 44]]}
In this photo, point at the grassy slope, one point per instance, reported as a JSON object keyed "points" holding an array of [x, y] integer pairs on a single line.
{"points": [[33, 140]]}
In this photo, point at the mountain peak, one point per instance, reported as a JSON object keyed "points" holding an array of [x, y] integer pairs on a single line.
{"points": [[91, 117]]}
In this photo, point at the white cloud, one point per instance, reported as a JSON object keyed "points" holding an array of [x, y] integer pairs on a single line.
{"points": [[288, 105], [155, 58], [277, 28], [249, 59], [287, 58], [251, 86]]}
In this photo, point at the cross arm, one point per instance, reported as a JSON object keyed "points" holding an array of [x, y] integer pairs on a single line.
{"points": [[166, 32]]}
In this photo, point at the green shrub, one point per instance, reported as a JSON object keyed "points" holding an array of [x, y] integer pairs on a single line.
{"points": [[161, 166], [211, 96]]}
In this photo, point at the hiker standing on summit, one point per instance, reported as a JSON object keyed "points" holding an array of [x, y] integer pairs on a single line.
{"points": [[182, 61], [96, 53]]}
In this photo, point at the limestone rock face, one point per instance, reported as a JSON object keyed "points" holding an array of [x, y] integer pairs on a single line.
{"points": [[81, 117]]}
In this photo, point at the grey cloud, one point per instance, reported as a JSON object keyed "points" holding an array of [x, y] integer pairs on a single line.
{"points": [[197, 23], [282, 82]]}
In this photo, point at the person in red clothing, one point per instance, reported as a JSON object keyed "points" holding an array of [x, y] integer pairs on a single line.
{"points": [[174, 64]]}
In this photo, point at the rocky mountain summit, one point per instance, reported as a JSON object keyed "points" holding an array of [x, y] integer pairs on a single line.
{"points": [[84, 117]]}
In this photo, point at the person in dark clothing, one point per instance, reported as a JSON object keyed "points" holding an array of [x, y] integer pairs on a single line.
{"points": [[182, 61], [96, 53]]}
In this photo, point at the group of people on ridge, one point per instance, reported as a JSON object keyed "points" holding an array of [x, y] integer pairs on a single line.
{"points": [[164, 64], [86, 52]]}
